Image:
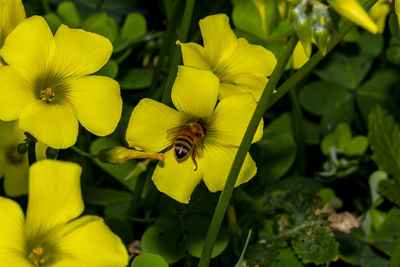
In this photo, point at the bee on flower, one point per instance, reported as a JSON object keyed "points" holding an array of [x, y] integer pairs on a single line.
{"points": [[200, 138], [51, 234], [47, 85]]}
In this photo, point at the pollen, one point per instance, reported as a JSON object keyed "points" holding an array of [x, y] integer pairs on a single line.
{"points": [[47, 95], [36, 256]]}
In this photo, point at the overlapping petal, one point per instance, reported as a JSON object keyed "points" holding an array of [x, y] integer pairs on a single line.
{"points": [[243, 83], [30, 47], [79, 52], [11, 13], [195, 92], [194, 55], [53, 124], [219, 40], [217, 161], [177, 179], [15, 94], [88, 242], [54, 195], [230, 120], [97, 103], [12, 242], [149, 125]]}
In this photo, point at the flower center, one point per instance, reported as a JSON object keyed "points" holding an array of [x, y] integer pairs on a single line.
{"points": [[13, 156], [47, 95], [37, 256]]}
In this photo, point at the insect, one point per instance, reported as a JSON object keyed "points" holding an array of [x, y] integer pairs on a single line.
{"points": [[187, 138]]}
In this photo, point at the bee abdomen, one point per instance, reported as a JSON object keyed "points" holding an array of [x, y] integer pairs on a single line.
{"points": [[183, 145]]}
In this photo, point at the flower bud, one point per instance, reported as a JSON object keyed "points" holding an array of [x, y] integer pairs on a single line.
{"points": [[352, 10], [303, 29], [22, 148], [120, 155], [397, 9]]}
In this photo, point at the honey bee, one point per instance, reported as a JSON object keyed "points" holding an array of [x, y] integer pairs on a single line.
{"points": [[187, 138]]}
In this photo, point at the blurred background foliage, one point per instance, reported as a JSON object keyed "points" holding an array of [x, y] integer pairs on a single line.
{"points": [[328, 181]]}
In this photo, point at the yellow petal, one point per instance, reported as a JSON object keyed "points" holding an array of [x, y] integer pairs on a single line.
{"points": [[29, 47], [250, 59], [218, 37], [97, 102], [177, 179], [352, 10], [195, 92], [193, 55], [299, 56], [12, 242], [54, 195], [217, 161], [88, 242], [15, 93], [16, 178], [230, 120], [79, 52], [379, 12], [52, 124], [243, 83], [11, 13], [149, 125]]}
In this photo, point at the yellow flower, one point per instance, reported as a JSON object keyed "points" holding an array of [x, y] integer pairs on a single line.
{"points": [[51, 234], [240, 66], [153, 126], [299, 56], [379, 12], [13, 165], [11, 13], [352, 10], [47, 85]]}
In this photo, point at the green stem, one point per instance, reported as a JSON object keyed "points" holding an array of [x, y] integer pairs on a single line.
{"points": [[314, 60], [169, 39], [182, 36], [226, 194], [137, 193], [395, 259], [83, 153]]}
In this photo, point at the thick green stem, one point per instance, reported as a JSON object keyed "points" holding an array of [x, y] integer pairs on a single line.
{"points": [[182, 36], [83, 153], [226, 194], [168, 41]]}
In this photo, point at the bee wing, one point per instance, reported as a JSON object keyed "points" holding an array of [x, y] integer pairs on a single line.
{"points": [[173, 132]]}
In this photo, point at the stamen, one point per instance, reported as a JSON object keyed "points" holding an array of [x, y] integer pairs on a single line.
{"points": [[36, 256], [47, 95]]}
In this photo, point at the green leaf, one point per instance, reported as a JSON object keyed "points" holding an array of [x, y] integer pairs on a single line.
{"points": [[342, 135], [196, 227], [102, 24], [165, 238], [53, 20], [103, 196], [384, 137], [385, 237], [321, 97], [287, 258], [347, 71], [390, 190], [328, 196], [134, 26], [357, 146], [149, 260], [357, 252], [69, 14], [318, 247], [245, 16], [393, 54], [110, 69], [371, 44], [244, 250], [327, 142], [124, 173], [135, 78], [262, 254]]}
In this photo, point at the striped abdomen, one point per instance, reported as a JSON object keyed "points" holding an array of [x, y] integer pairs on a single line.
{"points": [[184, 144]]}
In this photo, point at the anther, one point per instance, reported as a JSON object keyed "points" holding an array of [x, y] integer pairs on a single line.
{"points": [[47, 95]]}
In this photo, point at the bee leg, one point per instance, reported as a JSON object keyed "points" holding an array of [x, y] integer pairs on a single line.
{"points": [[171, 146], [194, 159]]}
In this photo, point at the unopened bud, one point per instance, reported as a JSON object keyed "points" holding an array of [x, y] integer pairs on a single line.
{"points": [[120, 155], [51, 153], [321, 36], [22, 148]]}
